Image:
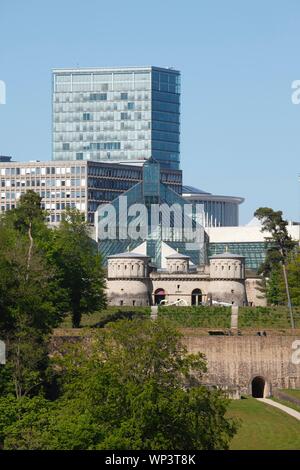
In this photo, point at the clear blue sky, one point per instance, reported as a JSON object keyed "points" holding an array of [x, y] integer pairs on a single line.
{"points": [[240, 132]]}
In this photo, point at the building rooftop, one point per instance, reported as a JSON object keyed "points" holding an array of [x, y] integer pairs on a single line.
{"points": [[128, 254], [226, 254], [190, 192], [177, 256], [114, 69], [193, 190]]}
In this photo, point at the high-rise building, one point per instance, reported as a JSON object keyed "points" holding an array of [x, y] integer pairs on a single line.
{"points": [[72, 184], [126, 114]]}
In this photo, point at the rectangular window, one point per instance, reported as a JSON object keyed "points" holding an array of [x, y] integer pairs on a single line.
{"points": [[87, 117], [124, 96], [98, 96]]}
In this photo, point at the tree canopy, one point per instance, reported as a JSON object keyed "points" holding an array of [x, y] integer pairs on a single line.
{"points": [[134, 387], [281, 268], [131, 385], [45, 274]]}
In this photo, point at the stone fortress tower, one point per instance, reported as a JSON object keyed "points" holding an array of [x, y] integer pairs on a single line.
{"points": [[132, 281], [227, 278], [128, 281], [177, 263]]}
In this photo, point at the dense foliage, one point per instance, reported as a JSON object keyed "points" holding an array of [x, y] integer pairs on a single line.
{"points": [[133, 387], [130, 385], [282, 260], [34, 294]]}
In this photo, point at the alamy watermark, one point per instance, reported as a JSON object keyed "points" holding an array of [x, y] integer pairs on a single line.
{"points": [[2, 352], [137, 221], [2, 92], [296, 353]]}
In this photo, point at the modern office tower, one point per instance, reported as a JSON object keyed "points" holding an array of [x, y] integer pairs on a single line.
{"points": [[220, 211], [126, 114], [79, 184]]}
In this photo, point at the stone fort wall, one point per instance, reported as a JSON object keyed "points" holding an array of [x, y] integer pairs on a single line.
{"points": [[234, 361]]}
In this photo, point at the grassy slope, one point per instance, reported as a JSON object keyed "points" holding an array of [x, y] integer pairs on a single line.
{"points": [[292, 393], [207, 317], [263, 427], [95, 317], [287, 403]]}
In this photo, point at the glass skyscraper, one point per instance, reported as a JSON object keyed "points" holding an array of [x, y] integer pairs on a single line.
{"points": [[126, 114]]}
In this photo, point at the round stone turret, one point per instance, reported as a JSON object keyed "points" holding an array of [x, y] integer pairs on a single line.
{"points": [[127, 265], [227, 278], [177, 263], [128, 282], [227, 266]]}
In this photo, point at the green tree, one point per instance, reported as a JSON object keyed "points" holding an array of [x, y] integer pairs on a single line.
{"points": [[281, 245], [31, 300], [76, 256], [26, 216], [293, 273], [276, 281], [130, 386]]}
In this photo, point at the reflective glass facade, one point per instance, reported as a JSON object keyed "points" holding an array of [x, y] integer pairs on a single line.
{"points": [[125, 114], [176, 236], [254, 252]]}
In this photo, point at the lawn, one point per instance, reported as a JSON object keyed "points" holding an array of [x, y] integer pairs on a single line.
{"points": [[287, 403], [197, 317], [294, 393], [219, 317], [256, 318], [95, 317], [263, 427]]}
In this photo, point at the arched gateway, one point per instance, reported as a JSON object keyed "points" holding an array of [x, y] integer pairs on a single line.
{"points": [[258, 387], [159, 295], [196, 297]]}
